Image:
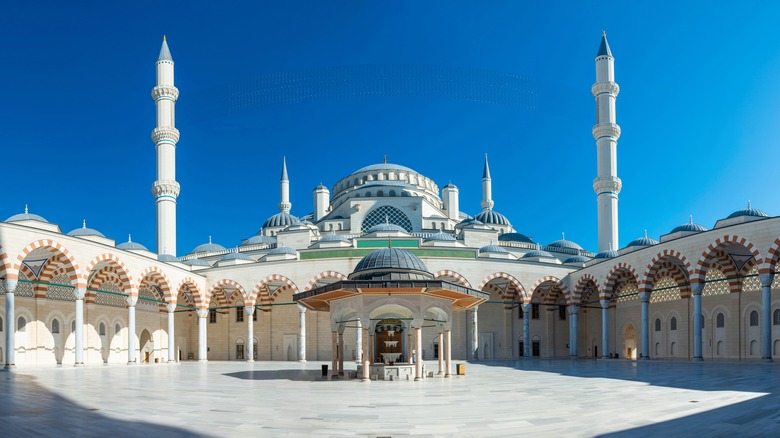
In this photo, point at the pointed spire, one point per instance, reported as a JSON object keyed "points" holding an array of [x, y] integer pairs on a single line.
{"points": [[165, 53], [748, 204], [284, 169], [26, 211], [84, 224], [129, 238], [385, 158], [604, 47], [486, 170], [563, 235], [209, 239], [690, 219], [645, 233]]}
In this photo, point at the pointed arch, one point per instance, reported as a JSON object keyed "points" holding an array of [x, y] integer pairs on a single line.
{"points": [[506, 294], [670, 256], [57, 249], [452, 274], [547, 290], [260, 294], [219, 285], [115, 265], [324, 274], [742, 252], [555, 281], [190, 285], [620, 273], [5, 262], [587, 288], [154, 273]]}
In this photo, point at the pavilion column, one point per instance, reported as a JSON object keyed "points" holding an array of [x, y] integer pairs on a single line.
{"points": [[334, 354], [441, 353], [418, 359], [79, 293], [171, 332], [645, 297], [131, 347], [301, 333], [409, 348], [604, 328], [766, 310], [10, 323], [359, 342], [696, 290], [366, 363], [202, 338], [573, 312], [527, 330], [474, 334], [448, 352], [341, 354], [249, 311]]}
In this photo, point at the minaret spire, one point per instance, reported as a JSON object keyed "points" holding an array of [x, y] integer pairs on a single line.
{"points": [[487, 187], [165, 137], [607, 185], [284, 188]]}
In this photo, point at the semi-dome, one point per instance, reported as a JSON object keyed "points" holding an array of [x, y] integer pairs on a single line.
{"points": [[236, 256], [492, 217], [606, 254], [390, 264], [282, 250], [84, 231], [576, 259], [690, 226], [749, 211], [441, 236], [514, 237], [386, 227], [259, 240], [208, 247], [566, 244], [537, 253], [131, 246], [492, 248], [26, 216], [643, 241], [281, 219], [197, 262], [333, 237]]}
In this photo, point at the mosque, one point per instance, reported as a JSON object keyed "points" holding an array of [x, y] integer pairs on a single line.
{"points": [[387, 269]]}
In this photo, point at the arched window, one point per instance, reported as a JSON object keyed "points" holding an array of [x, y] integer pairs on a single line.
{"points": [[392, 192], [702, 321], [720, 321], [21, 324], [1, 324], [754, 318], [341, 226], [443, 226], [433, 225], [776, 317], [386, 213], [117, 329], [658, 324], [55, 326], [673, 324], [368, 194], [380, 193], [102, 329], [73, 326]]}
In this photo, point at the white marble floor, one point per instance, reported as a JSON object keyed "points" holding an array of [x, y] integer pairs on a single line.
{"points": [[537, 397]]}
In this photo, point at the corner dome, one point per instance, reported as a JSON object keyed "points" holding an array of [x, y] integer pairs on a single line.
{"points": [[514, 237], [749, 211], [197, 262], [131, 246], [84, 231], [537, 253], [259, 239], [642, 241], [386, 227], [281, 219], [690, 226], [606, 254], [492, 217], [566, 244], [390, 264], [208, 247], [576, 259], [492, 248], [282, 250], [26, 216], [441, 236]]}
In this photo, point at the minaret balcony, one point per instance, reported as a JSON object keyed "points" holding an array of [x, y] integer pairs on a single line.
{"points": [[605, 87], [606, 130], [165, 91], [166, 133]]}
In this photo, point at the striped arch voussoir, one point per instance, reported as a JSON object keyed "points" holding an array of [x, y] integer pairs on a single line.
{"points": [[646, 284], [190, 283], [550, 279], [72, 266], [260, 294], [324, 274], [165, 283], [519, 286], [579, 288], [5, 262], [772, 259], [452, 274], [614, 274], [228, 282], [118, 267], [701, 266]]}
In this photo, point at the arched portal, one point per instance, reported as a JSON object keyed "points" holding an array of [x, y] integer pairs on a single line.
{"points": [[146, 346], [629, 342]]}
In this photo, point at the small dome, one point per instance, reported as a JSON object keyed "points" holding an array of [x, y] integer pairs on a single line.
{"points": [[259, 239], [130, 245], [690, 226], [492, 248], [197, 262], [441, 236], [606, 254], [563, 243], [282, 250], [390, 258], [450, 185], [84, 231], [167, 258], [492, 217], [538, 253], [470, 221], [749, 211], [576, 259], [281, 220], [643, 241], [320, 187], [385, 227], [333, 237], [208, 247], [26, 216], [514, 237], [236, 256]]}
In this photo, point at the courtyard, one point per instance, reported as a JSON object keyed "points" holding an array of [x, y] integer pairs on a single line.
{"points": [[503, 398]]}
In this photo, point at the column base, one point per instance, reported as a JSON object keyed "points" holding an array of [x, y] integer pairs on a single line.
{"points": [[9, 366], [79, 364], [644, 358], [698, 359], [447, 376], [250, 360], [203, 360], [301, 360], [766, 359], [439, 373], [417, 379], [605, 357]]}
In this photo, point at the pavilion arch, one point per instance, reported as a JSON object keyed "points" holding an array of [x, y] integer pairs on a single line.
{"points": [[733, 253], [261, 294], [587, 288], [114, 264], [663, 261], [317, 280], [153, 273], [224, 286], [439, 313], [512, 289], [190, 286], [459, 279], [49, 248], [619, 274]]}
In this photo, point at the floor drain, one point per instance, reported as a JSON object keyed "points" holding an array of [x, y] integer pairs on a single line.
{"points": [[693, 401]]}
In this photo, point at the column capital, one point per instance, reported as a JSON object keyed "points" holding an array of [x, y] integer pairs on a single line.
{"points": [[766, 279], [250, 310], [697, 288], [202, 313], [604, 304], [527, 307], [301, 308], [574, 309], [170, 307], [79, 292], [131, 301], [10, 285], [644, 296]]}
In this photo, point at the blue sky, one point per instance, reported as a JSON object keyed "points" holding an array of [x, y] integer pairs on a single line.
{"points": [[698, 108]]}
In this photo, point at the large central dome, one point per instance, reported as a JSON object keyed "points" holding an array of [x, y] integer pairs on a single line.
{"points": [[383, 166], [391, 264]]}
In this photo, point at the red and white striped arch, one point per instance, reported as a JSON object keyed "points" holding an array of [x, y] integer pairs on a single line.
{"points": [[454, 275], [260, 294], [219, 287], [521, 292], [554, 281], [618, 274], [56, 249], [667, 255], [111, 263], [322, 275], [153, 273], [585, 282], [710, 254], [192, 287]]}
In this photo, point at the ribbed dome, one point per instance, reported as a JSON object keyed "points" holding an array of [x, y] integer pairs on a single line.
{"points": [[576, 259], [385, 227], [281, 219], [492, 217], [383, 166], [84, 231], [537, 253], [492, 248], [606, 254], [259, 239], [441, 236], [390, 264], [197, 262], [690, 226], [643, 241], [26, 216], [514, 237], [131, 246], [749, 211], [333, 237], [282, 250], [208, 247], [236, 256], [563, 243]]}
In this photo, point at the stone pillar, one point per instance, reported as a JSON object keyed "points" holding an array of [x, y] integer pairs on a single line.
{"points": [[249, 311], [79, 293], [573, 312], [448, 352], [696, 290], [171, 333], [202, 337], [334, 353], [766, 310], [371, 349], [301, 333], [341, 354], [418, 371], [366, 363], [409, 345], [359, 342], [604, 328], [474, 334], [10, 323], [131, 347], [441, 353], [645, 297], [527, 330]]}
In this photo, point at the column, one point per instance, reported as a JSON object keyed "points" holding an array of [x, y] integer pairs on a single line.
{"points": [[409, 345], [604, 328], [301, 333], [448, 352], [474, 334], [371, 350], [359, 342], [418, 362], [131, 347], [573, 312], [645, 297], [341, 353], [171, 333], [441, 353], [366, 363], [696, 290], [79, 293], [10, 323], [527, 330], [249, 312], [334, 354], [202, 339], [766, 323]]}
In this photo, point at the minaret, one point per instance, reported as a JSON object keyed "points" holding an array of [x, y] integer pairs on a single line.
{"points": [[284, 186], [606, 132], [165, 137], [321, 202], [487, 188]]}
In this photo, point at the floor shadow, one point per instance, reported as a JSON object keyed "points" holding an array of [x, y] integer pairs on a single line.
{"points": [[292, 374]]}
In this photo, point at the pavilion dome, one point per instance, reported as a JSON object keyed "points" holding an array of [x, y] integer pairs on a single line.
{"points": [[383, 166], [26, 216], [391, 264], [167, 258], [84, 231], [566, 244], [690, 226], [131, 246], [749, 211], [470, 221], [492, 217], [642, 241], [514, 237], [333, 237], [208, 247], [281, 219], [236, 256], [492, 248], [259, 239], [441, 236]]}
